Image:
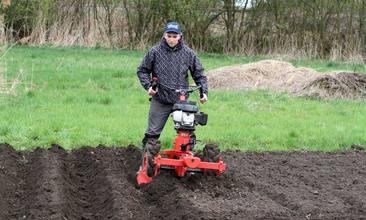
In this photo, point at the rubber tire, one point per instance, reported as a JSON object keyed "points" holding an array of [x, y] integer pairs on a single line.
{"points": [[211, 153]]}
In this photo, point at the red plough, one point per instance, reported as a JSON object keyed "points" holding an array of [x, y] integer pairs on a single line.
{"points": [[181, 159]]}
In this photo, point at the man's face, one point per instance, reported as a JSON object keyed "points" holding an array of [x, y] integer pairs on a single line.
{"points": [[172, 38]]}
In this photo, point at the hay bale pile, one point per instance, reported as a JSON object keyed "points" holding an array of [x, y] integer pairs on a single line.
{"points": [[284, 77], [338, 85]]}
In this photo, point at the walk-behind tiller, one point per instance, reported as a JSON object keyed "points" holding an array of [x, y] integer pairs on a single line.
{"points": [[181, 158]]}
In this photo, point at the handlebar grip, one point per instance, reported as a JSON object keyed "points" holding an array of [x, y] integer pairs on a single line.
{"points": [[201, 93], [154, 83]]}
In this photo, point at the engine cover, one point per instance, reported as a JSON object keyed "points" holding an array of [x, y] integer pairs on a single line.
{"points": [[186, 106], [183, 119], [186, 115]]}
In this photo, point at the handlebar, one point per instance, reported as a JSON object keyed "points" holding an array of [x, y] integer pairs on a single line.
{"points": [[190, 89], [154, 83]]}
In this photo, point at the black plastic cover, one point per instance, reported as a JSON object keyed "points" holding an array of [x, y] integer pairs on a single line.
{"points": [[186, 106], [200, 118]]}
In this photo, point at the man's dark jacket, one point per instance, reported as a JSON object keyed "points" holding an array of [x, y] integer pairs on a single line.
{"points": [[170, 66]]}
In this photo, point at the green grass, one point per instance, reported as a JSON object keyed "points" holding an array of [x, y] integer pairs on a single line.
{"points": [[84, 96], [326, 65]]}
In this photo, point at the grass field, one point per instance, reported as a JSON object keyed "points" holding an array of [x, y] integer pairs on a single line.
{"points": [[79, 96]]}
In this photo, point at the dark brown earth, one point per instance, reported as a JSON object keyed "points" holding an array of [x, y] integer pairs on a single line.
{"points": [[95, 183]]}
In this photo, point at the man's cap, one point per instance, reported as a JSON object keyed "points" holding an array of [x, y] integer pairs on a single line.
{"points": [[172, 27]]}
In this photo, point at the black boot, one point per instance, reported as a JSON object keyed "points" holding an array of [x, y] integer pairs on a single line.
{"points": [[152, 148], [146, 137], [151, 145]]}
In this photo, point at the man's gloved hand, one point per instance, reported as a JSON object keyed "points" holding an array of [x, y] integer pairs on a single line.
{"points": [[151, 91], [203, 99]]}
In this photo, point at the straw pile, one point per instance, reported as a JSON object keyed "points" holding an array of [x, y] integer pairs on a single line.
{"points": [[284, 77], [342, 85]]}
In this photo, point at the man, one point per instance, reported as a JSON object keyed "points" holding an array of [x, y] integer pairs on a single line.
{"points": [[169, 61]]}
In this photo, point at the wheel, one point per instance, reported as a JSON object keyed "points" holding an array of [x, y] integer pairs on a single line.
{"points": [[211, 153]]}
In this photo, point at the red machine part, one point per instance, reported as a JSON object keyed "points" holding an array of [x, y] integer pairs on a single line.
{"points": [[179, 160], [142, 177], [185, 163], [183, 160]]}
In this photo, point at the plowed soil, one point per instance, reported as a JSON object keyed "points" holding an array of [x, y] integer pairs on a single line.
{"points": [[95, 183]]}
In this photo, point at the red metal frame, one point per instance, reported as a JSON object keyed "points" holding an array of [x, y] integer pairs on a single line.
{"points": [[182, 164], [180, 160]]}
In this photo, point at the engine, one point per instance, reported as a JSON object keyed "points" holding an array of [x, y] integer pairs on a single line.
{"points": [[186, 115]]}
